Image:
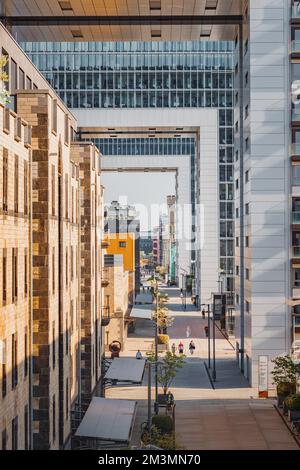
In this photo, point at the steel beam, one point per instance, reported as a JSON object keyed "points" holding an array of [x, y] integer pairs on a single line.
{"points": [[122, 20]]}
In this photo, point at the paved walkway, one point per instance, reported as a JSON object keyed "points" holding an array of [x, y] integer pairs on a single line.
{"points": [[227, 417]]}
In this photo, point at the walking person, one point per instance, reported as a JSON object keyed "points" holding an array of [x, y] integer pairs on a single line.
{"points": [[173, 348], [192, 347], [188, 331], [180, 347], [182, 300]]}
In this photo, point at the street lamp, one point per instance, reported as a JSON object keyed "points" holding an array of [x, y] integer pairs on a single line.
{"points": [[222, 277], [156, 342], [208, 330], [214, 373]]}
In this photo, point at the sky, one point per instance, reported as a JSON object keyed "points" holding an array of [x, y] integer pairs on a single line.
{"points": [[149, 189]]}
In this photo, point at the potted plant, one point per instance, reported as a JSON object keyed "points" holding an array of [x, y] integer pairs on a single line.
{"points": [[292, 402], [163, 342]]}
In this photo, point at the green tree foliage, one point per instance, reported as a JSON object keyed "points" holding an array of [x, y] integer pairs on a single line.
{"points": [[285, 371], [167, 368]]}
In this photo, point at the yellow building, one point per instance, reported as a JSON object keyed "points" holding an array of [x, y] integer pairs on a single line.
{"points": [[124, 244]]}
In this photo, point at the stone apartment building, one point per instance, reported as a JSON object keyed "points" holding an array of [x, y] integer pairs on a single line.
{"points": [[15, 327], [51, 263]]}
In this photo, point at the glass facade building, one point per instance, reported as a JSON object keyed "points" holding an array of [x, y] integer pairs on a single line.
{"points": [[189, 74]]}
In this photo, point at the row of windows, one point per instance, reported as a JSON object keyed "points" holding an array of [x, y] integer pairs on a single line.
{"points": [[130, 46], [10, 263], [119, 62], [15, 433], [14, 369], [140, 80], [70, 272], [145, 146], [15, 177], [152, 99]]}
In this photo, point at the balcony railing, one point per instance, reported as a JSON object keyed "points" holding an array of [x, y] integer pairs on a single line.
{"points": [[296, 217], [295, 181], [105, 317], [295, 11], [295, 149], [295, 47], [296, 114], [296, 251]]}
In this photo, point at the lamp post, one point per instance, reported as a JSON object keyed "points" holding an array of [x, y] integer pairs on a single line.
{"points": [[208, 325], [156, 344]]}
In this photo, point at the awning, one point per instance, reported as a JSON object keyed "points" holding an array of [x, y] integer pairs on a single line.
{"points": [[108, 420], [143, 298], [124, 369], [143, 312]]}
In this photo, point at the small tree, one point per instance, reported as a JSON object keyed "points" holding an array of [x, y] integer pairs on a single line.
{"points": [[161, 317], [285, 371], [167, 368], [4, 94]]}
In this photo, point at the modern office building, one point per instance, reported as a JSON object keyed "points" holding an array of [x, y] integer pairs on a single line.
{"points": [[153, 75], [265, 41]]}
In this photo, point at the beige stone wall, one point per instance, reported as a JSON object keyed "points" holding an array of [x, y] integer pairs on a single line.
{"points": [[14, 313]]}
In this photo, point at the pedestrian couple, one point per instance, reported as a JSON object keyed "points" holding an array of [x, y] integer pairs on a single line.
{"points": [[192, 347]]}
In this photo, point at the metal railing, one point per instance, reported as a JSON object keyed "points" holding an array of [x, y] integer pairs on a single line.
{"points": [[296, 251], [296, 114], [295, 181], [295, 11], [295, 148], [295, 46], [296, 217]]}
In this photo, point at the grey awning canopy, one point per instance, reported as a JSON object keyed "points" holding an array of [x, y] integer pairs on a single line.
{"points": [[108, 420], [124, 369], [144, 298], [143, 312]]}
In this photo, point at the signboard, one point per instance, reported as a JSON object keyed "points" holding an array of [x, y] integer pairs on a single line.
{"points": [[219, 306], [263, 367]]}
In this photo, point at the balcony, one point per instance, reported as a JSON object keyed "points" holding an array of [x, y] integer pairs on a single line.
{"points": [[105, 317], [296, 291], [295, 47], [296, 114], [295, 150], [105, 244], [104, 282], [295, 12], [296, 252], [295, 217]]}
